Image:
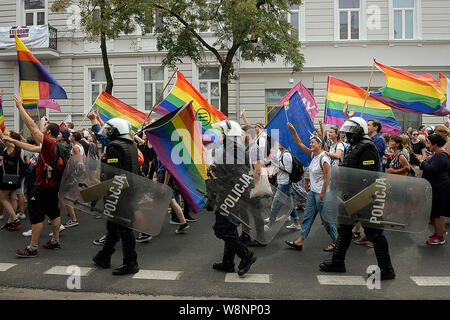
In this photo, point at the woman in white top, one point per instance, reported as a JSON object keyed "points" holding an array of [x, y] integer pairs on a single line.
{"points": [[337, 147], [319, 172]]}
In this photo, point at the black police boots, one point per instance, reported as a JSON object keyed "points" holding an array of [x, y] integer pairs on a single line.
{"points": [[337, 263], [129, 268], [223, 267], [246, 263], [381, 248], [103, 258]]}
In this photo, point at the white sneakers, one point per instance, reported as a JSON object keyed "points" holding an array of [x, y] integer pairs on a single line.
{"points": [[293, 226], [267, 220], [21, 216], [27, 233], [61, 229]]}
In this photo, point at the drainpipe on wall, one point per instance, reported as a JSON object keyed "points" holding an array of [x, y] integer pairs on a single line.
{"points": [[238, 88]]}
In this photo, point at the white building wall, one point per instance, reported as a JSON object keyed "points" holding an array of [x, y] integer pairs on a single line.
{"points": [[348, 60]]}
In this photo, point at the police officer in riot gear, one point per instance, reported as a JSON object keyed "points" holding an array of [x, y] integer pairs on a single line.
{"points": [[121, 152], [223, 228], [362, 155]]}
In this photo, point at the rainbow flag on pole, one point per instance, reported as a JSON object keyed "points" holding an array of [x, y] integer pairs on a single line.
{"points": [[206, 114], [177, 140], [2, 117], [339, 91], [420, 93], [35, 81], [110, 107]]}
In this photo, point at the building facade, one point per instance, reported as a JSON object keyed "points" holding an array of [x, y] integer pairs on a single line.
{"points": [[339, 38]]}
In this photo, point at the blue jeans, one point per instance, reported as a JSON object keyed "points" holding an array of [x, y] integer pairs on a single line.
{"points": [[314, 206], [277, 203]]}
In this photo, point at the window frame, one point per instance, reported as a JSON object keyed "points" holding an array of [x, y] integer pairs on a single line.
{"points": [[209, 81], [35, 12], [301, 20], [417, 21], [152, 82], [362, 21], [88, 85]]}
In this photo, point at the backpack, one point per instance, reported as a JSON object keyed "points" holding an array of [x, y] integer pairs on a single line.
{"points": [[62, 156], [297, 168], [267, 147]]}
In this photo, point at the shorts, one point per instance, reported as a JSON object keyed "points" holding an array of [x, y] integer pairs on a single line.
{"points": [[43, 202]]}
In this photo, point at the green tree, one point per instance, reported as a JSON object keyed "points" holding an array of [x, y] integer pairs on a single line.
{"points": [[108, 19], [257, 28]]}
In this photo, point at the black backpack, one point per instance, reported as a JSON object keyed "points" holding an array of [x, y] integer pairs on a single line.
{"points": [[297, 168], [61, 159]]}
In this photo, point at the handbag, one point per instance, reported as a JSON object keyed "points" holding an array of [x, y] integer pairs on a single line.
{"points": [[262, 186], [11, 179]]}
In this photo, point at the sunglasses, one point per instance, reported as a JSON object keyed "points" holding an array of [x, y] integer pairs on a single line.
{"points": [[415, 134]]}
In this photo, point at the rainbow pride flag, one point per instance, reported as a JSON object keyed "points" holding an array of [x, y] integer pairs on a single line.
{"points": [[177, 141], [445, 85], [421, 93], [30, 104], [206, 114], [35, 81], [339, 91], [110, 107], [2, 117]]}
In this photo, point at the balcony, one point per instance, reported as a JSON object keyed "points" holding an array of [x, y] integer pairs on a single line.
{"points": [[41, 52]]}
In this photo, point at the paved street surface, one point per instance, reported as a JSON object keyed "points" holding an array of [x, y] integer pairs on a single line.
{"points": [[180, 266]]}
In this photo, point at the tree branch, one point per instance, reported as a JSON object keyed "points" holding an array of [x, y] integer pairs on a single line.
{"points": [[199, 38]]}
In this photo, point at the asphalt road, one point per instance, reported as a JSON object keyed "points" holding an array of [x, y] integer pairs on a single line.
{"points": [[280, 273]]}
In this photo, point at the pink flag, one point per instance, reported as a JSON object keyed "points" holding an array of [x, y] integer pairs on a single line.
{"points": [[307, 98], [51, 104]]}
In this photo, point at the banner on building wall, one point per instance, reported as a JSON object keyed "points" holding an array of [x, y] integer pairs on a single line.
{"points": [[32, 36]]}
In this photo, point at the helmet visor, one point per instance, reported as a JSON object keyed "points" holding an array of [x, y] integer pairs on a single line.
{"points": [[349, 127]]}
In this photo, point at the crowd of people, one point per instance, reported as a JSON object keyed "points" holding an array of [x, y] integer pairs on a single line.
{"points": [[33, 167], [31, 175]]}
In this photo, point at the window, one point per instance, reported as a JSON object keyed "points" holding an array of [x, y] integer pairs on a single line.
{"points": [[404, 19], [153, 85], [97, 83], [294, 18], [273, 96], [35, 12], [406, 119], [349, 19], [209, 84]]}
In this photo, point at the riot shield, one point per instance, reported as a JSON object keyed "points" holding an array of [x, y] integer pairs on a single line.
{"points": [[125, 198], [247, 201], [378, 200]]}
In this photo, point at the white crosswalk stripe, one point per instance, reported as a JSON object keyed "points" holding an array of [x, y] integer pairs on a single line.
{"points": [[248, 278], [342, 280], [6, 266], [431, 281], [158, 275], [65, 271]]}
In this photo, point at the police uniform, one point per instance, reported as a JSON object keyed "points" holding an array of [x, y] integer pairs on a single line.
{"points": [[225, 229], [122, 154], [363, 155]]}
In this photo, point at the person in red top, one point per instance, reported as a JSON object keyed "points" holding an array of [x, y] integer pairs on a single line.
{"points": [[44, 196]]}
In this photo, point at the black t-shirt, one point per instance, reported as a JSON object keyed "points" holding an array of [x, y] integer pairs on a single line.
{"points": [[417, 147], [85, 147]]}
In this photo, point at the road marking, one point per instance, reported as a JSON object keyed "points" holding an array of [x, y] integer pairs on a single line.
{"points": [[6, 266], [62, 271], [431, 281], [248, 278], [342, 280], [158, 275]]}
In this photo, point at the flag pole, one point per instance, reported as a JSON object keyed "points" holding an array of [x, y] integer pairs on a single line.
{"points": [[160, 95], [85, 116], [368, 88]]}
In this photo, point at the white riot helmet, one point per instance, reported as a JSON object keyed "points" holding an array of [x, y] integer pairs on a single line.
{"points": [[117, 127], [355, 129], [230, 128]]}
